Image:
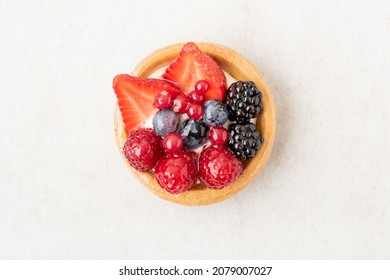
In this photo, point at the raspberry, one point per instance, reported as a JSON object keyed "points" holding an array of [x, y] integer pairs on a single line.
{"points": [[218, 135], [143, 149], [173, 142], [218, 167], [177, 172]]}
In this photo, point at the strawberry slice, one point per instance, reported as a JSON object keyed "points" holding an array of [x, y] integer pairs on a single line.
{"points": [[193, 65], [136, 95]]}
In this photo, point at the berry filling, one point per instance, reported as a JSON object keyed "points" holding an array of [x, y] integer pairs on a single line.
{"points": [[192, 112]]}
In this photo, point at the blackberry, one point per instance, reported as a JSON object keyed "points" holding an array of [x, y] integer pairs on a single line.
{"points": [[244, 140], [244, 101]]}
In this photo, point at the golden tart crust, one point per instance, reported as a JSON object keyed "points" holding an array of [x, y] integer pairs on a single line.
{"points": [[240, 69]]}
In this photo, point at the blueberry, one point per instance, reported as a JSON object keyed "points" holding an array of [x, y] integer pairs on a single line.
{"points": [[164, 122], [215, 113], [193, 132]]}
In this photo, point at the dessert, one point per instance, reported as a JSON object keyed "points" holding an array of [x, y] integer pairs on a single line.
{"points": [[198, 131]]}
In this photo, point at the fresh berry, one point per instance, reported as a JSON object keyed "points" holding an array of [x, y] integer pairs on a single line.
{"points": [[197, 97], [143, 149], [177, 172], [218, 135], [244, 140], [180, 104], [244, 101], [202, 86], [218, 167], [173, 142], [215, 113], [195, 111], [136, 95], [163, 100], [193, 65], [164, 122], [194, 133]]}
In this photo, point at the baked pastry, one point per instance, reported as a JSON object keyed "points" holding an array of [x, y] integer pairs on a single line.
{"points": [[194, 96]]}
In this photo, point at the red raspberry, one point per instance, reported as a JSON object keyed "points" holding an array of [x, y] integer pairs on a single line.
{"points": [[218, 135], [163, 100], [180, 104], [177, 172], [202, 86], [197, 97], [143, 149], [195, 111], [173, 142], [218, 167]]}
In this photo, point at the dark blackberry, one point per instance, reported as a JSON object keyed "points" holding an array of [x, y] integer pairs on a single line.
{"points": [[244, 140], [244, 101]]}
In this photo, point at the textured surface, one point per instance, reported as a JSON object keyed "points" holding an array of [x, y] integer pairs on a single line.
{"points": [[65, 192]]}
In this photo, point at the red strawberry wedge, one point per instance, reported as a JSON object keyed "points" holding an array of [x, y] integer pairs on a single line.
{"points": [[193, 65], [136, 95]]}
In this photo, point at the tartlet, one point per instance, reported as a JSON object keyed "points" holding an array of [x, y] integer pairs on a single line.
{"points": [[240, 69]]}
